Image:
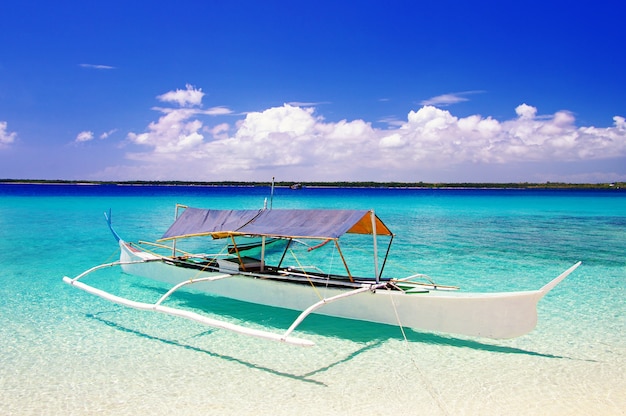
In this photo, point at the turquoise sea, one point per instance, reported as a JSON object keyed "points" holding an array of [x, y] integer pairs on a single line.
{"points": [[67, 352]]}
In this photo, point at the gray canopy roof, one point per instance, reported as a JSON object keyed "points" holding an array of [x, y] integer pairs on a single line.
{"points": [[300, 223]]}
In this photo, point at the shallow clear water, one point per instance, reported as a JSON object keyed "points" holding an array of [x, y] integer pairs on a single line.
{"points": [[67, 352]]}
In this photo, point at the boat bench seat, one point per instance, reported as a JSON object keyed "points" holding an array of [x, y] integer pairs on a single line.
{"points": [[232, 265]]}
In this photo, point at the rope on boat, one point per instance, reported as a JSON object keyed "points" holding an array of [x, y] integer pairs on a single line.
{"points": [[429, 386], [200, 270], [115, 254], [331, 265], [395, 311], [306, 275], [401, 266], [206, 266]]}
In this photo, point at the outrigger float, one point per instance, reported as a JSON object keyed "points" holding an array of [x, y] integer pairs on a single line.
{"points": [[253, 267]]}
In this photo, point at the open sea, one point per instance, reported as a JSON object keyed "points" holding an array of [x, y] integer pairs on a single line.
{"points": [[65, 352]]}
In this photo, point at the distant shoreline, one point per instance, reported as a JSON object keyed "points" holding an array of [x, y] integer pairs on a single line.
{"points": [[338, 184]]}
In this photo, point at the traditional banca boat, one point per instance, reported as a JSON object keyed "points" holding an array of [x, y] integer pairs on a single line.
{"points": [[264, 259]]}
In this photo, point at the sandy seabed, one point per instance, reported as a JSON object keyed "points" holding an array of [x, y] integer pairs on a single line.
{"points": [[127, 363]]}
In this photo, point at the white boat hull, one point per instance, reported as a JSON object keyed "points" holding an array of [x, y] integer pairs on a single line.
{"points": [[491, 315]]}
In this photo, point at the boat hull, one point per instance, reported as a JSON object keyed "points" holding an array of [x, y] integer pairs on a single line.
{"points": [[491, 315]]}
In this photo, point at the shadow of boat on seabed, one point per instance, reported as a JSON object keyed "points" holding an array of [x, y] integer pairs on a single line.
{"points": [[348, 329], [179, 344], [368, 333], [308, 376]]}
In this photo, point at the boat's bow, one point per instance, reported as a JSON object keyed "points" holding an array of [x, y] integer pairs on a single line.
{"points": [[544, 290]]}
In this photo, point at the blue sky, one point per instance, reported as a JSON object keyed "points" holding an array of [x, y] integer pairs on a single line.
{"points": [[434, 91]]}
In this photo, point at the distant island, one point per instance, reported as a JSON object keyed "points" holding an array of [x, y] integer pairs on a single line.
{"points": [[338, 184]]}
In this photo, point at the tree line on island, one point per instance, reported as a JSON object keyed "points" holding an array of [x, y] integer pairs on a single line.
{"points": [[340, 184]]}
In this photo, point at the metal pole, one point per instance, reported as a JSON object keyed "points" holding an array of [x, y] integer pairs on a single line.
{"points": [[272, 193], [263, 254], [376, 274]]}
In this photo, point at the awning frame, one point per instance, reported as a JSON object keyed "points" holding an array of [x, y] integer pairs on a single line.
{"points": [[285, 224]]}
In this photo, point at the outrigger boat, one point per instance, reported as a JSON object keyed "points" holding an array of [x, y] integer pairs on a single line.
{"points": [[267, 271]]}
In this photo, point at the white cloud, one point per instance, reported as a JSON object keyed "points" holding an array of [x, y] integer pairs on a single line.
{"points": [[448, 99], [177, 133], [306, 104], [220, 128], [444, 99], [106, 134], [189, 97], [394, 140], [277, 137], [216, 111], [295, 142], [288, 119], [6, 138], [84, 136], [92, 66], [435, 137], [526, 111], [172, 133]]}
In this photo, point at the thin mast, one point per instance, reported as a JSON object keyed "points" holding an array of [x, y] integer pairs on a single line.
{"points": [[376, 274], [175, 218], [272, 193], [345, 264], [262, 253]]}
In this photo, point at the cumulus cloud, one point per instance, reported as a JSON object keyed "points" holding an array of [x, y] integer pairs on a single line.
{"points": [[296, 142], [525, 111], [434, 136], [84, 136], [6, 138], [188, 97], [171, 134], [285, 136], [178, 132]]}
